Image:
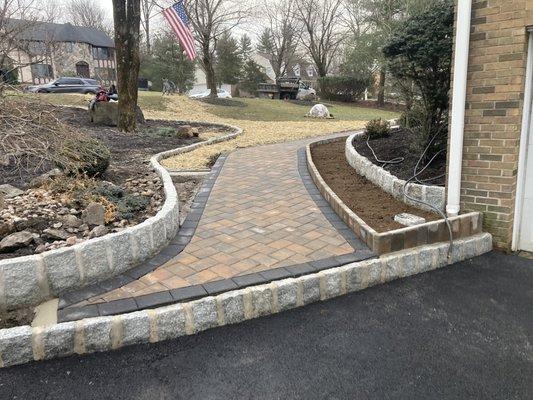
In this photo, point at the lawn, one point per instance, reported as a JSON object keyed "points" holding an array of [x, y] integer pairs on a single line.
{"points": [[264, 121]]}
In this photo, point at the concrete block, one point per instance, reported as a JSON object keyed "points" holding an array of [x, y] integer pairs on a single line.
{"points": [[135, 328], [62, 270], [58, 340], [15, 346], [170, 322], [97, 334], [287, 294], [204, 314]]}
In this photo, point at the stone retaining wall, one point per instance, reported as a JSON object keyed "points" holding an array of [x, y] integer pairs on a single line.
{"points": [[24, 344], [30, 280], [399, 239], [434, 195]]}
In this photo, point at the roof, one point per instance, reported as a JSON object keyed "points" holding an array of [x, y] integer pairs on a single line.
{"points": [[46, 31]]}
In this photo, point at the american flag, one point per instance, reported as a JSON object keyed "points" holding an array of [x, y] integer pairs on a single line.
{"points": [[179, 22]]}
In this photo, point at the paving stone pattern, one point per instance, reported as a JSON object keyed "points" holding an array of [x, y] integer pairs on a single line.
{"points": [[259, 216]]}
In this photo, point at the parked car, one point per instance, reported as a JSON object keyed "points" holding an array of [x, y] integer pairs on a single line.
{"points": [[305, 91], [221, 94], [68, 85]]}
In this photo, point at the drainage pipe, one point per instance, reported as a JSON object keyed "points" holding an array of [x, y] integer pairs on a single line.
{"points": [[455, 158]]}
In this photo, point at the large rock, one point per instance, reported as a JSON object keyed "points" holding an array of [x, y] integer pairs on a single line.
{"points": [[56, 234], [94, 214], [44, 178], [106, 113], [17, 240], [319, 111], [10, 191], [407, 219]]}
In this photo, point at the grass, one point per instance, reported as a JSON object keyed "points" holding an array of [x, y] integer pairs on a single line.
{"points": [[264, 121]]}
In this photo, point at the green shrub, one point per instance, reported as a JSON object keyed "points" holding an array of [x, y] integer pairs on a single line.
{"points": [[129, 205], [378, 129], [86, 156], [342, 88], [162, 131]]}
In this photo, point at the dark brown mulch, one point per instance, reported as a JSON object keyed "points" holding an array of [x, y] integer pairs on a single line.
{"points": [[15, 318], [401, 143], [376, 207]]}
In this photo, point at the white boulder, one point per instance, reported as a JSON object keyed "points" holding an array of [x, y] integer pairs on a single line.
{"points": [[319, 111]]}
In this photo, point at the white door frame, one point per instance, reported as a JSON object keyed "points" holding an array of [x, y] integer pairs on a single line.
{"points": [[524, 137]]}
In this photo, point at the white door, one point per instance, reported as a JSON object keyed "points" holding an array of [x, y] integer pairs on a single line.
{"points": [[523, 226], [526, 225]]}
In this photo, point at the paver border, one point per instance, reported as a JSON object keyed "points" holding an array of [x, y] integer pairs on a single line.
{"points": [[30, 280], [434, 195], [25, 344], [386, 242]]}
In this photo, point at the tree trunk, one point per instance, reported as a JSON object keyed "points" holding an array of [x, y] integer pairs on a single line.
{"points": [[147, 30], [127, 18], [209, 69], [381, 87]]}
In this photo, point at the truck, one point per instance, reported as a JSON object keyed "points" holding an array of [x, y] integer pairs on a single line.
{"points": [[283, 89]]}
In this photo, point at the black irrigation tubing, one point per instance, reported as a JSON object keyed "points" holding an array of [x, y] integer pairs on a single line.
{"points": [[416, 174]]}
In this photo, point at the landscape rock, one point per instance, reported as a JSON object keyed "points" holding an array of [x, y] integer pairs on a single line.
{"points": [[195, 132], [42, 179], [6, 228], [71, 221], [17, 240], [100, 230], [10, 191], [94, 214], [184, 131], [2, 200], [407, 219], [319, 111], [56, 234]]}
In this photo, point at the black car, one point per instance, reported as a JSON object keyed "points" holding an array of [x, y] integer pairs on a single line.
{"points": [[68, 85]]}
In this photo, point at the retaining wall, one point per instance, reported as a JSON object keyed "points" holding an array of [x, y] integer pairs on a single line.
{"points": [[434, 195], [30, 280]]}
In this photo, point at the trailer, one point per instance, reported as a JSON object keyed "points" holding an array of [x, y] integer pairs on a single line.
{"points": [[283, 89]]}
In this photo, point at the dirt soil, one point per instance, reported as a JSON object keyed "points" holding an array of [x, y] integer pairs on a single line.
{"points": [[376, 207], [15, 318], [400, 144]]}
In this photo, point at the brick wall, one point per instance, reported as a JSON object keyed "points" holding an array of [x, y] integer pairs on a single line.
{"points": [[496, 79]]}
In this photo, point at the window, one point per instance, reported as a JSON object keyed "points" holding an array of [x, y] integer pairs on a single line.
{"points": [[42, 71], [296, 70], [69, 47], [101, 53], [105, 74], [310, 71]]}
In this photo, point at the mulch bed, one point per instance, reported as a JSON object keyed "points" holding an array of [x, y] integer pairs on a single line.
{"points": [[400, 144], [376, 207]]}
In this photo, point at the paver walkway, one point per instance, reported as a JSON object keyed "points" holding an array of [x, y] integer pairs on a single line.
{"points": [[259, 216]]}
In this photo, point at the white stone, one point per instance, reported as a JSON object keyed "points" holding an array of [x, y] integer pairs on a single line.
{"points": [[407, 219], [319, 111], [10, 191]]}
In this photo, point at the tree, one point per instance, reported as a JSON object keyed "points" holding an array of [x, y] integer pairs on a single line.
{"points": [[322, 34], [421, 51], [245, 47], [279, 38], [147, 12], [229, 60], [88, 13], [252, 76], [210, 19], [167, 61], [127, 17]]}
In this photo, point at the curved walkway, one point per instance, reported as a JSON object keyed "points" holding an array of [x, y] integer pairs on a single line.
{"points": [[262, 219]]}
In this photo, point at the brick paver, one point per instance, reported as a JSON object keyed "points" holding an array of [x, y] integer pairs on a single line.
{"points": [[259, 216]]}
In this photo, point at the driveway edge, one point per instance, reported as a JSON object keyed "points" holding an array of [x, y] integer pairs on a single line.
{"points": [[25, 344]]}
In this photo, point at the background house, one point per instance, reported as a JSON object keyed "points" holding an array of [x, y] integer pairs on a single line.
{"points": [[46, 51], [497, 148]]}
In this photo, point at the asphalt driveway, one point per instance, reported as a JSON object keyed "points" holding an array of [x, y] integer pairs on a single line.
{"points": [[464, 332]]}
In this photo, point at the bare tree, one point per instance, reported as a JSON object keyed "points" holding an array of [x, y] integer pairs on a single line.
{"points": [[210, 19], [322, 33], [148, 8], [127, 17], [279, 39], [18, 19], [88, 13]]}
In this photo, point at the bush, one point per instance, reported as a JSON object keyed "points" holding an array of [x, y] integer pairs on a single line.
{"points": [[378, 129], [129, 205], [342, 88], [86, 156]]}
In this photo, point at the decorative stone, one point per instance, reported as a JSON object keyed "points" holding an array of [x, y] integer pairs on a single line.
{"points": [[170, 322], [204, 313], [94, 214], [17, 240], [233, 306], [407, 219], [184, 131], [71, 221], [311, 289], [58, 340], [57, 234], [97, 334], [10, 191], [262, 301], [98, 231], [136, 328], [15, 346], [319, 111], [42, 179], [62, 269], [287, 294]]}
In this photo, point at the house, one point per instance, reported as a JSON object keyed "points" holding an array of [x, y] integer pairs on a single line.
{"points": [[490, 166], [304, 70], [46, 51], [200, 85]]}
